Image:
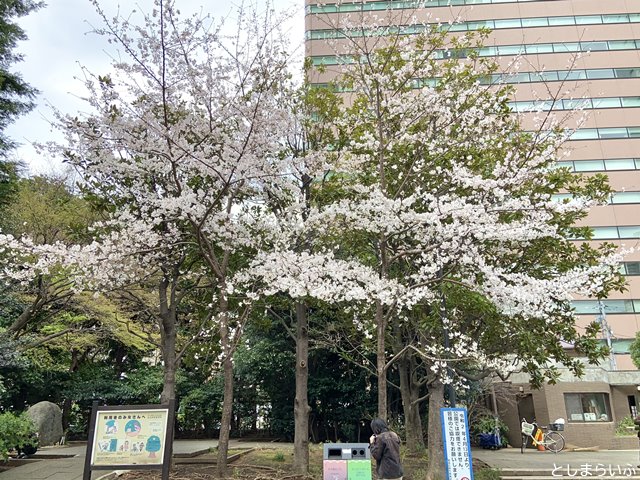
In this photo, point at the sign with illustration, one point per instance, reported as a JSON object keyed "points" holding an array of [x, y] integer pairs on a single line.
{"points": [[129, 437]]}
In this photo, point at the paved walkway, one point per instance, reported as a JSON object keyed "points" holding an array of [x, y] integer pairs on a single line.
{"points": [[71, 468], [513, 459], [504, 459]]}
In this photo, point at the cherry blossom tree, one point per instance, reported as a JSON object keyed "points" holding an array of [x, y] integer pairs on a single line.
{"points": [[464, 245], [182, 142], [457, 200]]}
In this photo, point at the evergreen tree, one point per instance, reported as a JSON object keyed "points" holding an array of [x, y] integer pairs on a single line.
{"points": [[16, 95]]}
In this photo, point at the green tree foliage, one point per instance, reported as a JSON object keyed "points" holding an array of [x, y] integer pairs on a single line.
{"points": [[341, 393], [634, 350], [16, 96], [8, 185]]}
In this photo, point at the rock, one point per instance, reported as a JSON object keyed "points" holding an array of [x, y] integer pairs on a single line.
{"points": [[47, 418]]}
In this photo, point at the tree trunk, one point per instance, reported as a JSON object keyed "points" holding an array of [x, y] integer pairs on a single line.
{"points": [[68, 402], [227, 400], [301, 405], [168, 333], [381, 361], [413, 422], [436, 470]]}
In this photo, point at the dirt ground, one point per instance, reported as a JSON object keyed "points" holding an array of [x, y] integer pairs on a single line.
{"points": [[264, 464]]}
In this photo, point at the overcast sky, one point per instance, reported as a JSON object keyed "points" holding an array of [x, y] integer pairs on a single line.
{"points": [[60, 40]]}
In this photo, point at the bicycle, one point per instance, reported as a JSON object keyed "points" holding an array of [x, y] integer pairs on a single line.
{"points": [[551, 440]]}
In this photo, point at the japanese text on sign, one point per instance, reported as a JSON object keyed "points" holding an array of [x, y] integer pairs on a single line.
{"points": [[457, 450], [129, 437]]}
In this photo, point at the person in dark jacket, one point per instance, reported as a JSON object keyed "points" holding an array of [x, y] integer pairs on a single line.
{"points": [[385, 448]]}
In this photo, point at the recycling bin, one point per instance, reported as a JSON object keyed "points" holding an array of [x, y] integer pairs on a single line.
{"points": [[346, 461]]}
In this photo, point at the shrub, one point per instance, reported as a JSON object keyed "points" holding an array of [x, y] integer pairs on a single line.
{"points": [[625, 427], [16, 431], [487, 424], [488, 474]]}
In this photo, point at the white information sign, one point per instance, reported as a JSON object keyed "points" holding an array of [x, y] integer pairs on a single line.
{"points": [[457, 448], [129, 437]]}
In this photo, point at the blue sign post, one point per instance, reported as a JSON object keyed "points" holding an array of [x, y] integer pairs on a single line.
{"points": [[457, 447]]}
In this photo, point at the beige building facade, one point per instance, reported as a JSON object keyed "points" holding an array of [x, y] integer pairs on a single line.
{"points": [[577, 49]]}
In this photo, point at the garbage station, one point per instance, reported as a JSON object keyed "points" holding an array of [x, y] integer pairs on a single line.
{"points": [[346, 461]]}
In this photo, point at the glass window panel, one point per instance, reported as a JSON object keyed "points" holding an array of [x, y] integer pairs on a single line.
{"points": [[554, 21], [632, 268], [600, 73], [634, 132], [548, 105], [621, 346], [589, 165], [457, 27], [594, 46], [560, 197], [535, 22], [574, 104], [510, 49], [585, 307], [617, 306], [619, 164], [629, 232], [574, 75], [611, 102], [596, 407], [508, 23], [634, 17], [519, 78], [539, 48], [585, 134], [548, 76], [566, 47], [350, 7], [627, 72], [568, 165], [327, 8], [588, 19], [484, 24], [603, 233], [626, 197], [622, 45], [615, 18], [573, 406], [612, 133], [631, 101]]}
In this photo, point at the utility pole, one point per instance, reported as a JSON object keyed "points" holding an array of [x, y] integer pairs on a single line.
{"points": [[606, 333]]}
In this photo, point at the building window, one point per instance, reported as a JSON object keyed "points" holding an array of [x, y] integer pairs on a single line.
{"points": [[587, 407], [631, 268], [593, 307]]}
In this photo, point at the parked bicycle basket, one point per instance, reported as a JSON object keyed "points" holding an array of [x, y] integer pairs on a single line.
{"points": [[527, 428]]}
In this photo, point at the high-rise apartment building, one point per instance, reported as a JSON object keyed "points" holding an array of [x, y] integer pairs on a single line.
{"points": [[588, 51]]}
